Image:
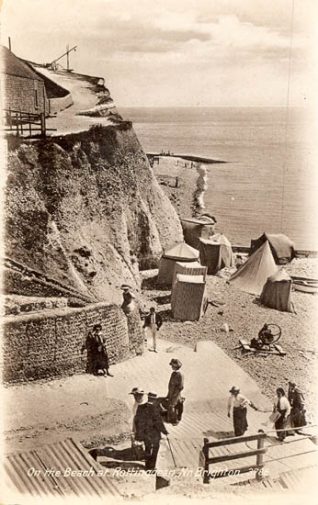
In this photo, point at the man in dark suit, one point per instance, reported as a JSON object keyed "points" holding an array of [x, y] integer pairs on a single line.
{"points": [[152, 323], [149, 426]]}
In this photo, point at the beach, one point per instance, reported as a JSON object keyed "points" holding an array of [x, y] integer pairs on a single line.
{"points": [[241, 312]]}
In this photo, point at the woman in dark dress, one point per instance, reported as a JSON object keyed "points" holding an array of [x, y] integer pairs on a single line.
{"points": [[101, 356], [97, 357]]}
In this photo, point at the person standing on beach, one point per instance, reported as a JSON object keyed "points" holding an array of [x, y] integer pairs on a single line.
{"points": [[149, 427], [282, 407], [297, 403], [175, 386], [138, 395], [153, 323], [238, 404], [101, 356]]}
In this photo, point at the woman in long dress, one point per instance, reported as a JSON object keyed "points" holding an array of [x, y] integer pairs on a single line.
{"points": [[282, 407], [238, 404]]}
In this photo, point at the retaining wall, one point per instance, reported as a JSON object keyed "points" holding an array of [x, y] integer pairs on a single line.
{"points": [[49, 343]]}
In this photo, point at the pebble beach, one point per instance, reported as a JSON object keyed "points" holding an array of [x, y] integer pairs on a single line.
{"points": [[243, 315]]}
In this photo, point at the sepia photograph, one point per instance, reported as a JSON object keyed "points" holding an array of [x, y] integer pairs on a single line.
{"points": [[159, 252]]}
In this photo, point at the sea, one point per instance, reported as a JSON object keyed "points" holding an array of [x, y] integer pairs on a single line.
{"points": [[269, 181]]}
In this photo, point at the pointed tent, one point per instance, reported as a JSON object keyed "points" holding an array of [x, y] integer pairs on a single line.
{"points": [[252, 276], [282, 247], [277, 292], [180, 253], [216, 253]]}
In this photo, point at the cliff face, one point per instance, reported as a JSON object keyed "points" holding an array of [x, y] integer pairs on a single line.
{"points": [[86, 210]]}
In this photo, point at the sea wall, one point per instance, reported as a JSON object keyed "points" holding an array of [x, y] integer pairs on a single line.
{"points": [[86, 210], [49, 343]]}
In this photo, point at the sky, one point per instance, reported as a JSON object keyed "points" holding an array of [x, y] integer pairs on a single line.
{"points": [[177, 52]]}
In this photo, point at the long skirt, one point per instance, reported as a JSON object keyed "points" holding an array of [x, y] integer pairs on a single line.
{"points": [[297, 418], [240, 421], [280, 424], [101, 361]]}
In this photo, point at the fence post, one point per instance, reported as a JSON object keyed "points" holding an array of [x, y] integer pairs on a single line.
{"points": [[260, 457], [206, 475]]}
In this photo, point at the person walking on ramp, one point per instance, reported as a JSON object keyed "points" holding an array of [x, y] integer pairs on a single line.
{"points": [[282, 407], [175, 386], [238, 404], [148, 429], [152, 323]]}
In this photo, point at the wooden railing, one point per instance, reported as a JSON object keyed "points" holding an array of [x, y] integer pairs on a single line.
{"points": [[25, 123], [259, 452]]}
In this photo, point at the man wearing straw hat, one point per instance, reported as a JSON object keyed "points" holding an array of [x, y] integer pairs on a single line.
{"points": [[238, 404], [149, 426], [138, 395]]}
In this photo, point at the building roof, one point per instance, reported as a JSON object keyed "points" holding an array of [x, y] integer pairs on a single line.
{"points": [[12, 65], [64, 457]]}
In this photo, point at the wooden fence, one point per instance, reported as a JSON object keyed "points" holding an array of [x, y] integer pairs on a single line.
{"points": [[259, 452], [24, 123]]}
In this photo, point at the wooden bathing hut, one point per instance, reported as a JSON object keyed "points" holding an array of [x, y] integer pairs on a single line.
{"points": [[180, 253], [187, 299]]}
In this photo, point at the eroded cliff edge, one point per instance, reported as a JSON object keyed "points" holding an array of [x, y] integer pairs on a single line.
{"points": [[86, 210]]}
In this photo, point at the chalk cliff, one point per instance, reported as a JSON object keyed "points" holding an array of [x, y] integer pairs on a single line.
{"points": [[86, 210]]}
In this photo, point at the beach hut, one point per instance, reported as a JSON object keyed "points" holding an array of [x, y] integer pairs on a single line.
{"points": [[196, 228], [187, 298], [282, 247], [277, 292], [252, 276], [192, 268], [180, 253], [216, 253]]}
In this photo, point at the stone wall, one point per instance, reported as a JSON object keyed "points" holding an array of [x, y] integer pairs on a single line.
{"points": [[49, 343]]}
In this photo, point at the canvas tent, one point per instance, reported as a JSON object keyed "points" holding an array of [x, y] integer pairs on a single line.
{"points": [[194, 229], [180, 253], [277, 292], [187, 298], [216, 253], [282, 247], [192, 268], [254, 273]]}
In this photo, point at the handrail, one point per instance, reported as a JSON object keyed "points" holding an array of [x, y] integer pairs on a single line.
{"points": [[23, 121], [235, 440], [258, 452]]}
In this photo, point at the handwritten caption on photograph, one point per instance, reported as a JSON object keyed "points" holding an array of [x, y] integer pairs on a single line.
{"points": [[120, 472]]}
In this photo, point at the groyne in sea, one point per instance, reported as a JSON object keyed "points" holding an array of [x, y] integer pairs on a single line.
{"points": [[186, 157]]}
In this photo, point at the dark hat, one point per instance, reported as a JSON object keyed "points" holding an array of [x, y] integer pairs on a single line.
{"points": [[136, 391], [176, 362], [152, 395], [234, 389], [292, 383], [125, 286], [97, 327]]}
